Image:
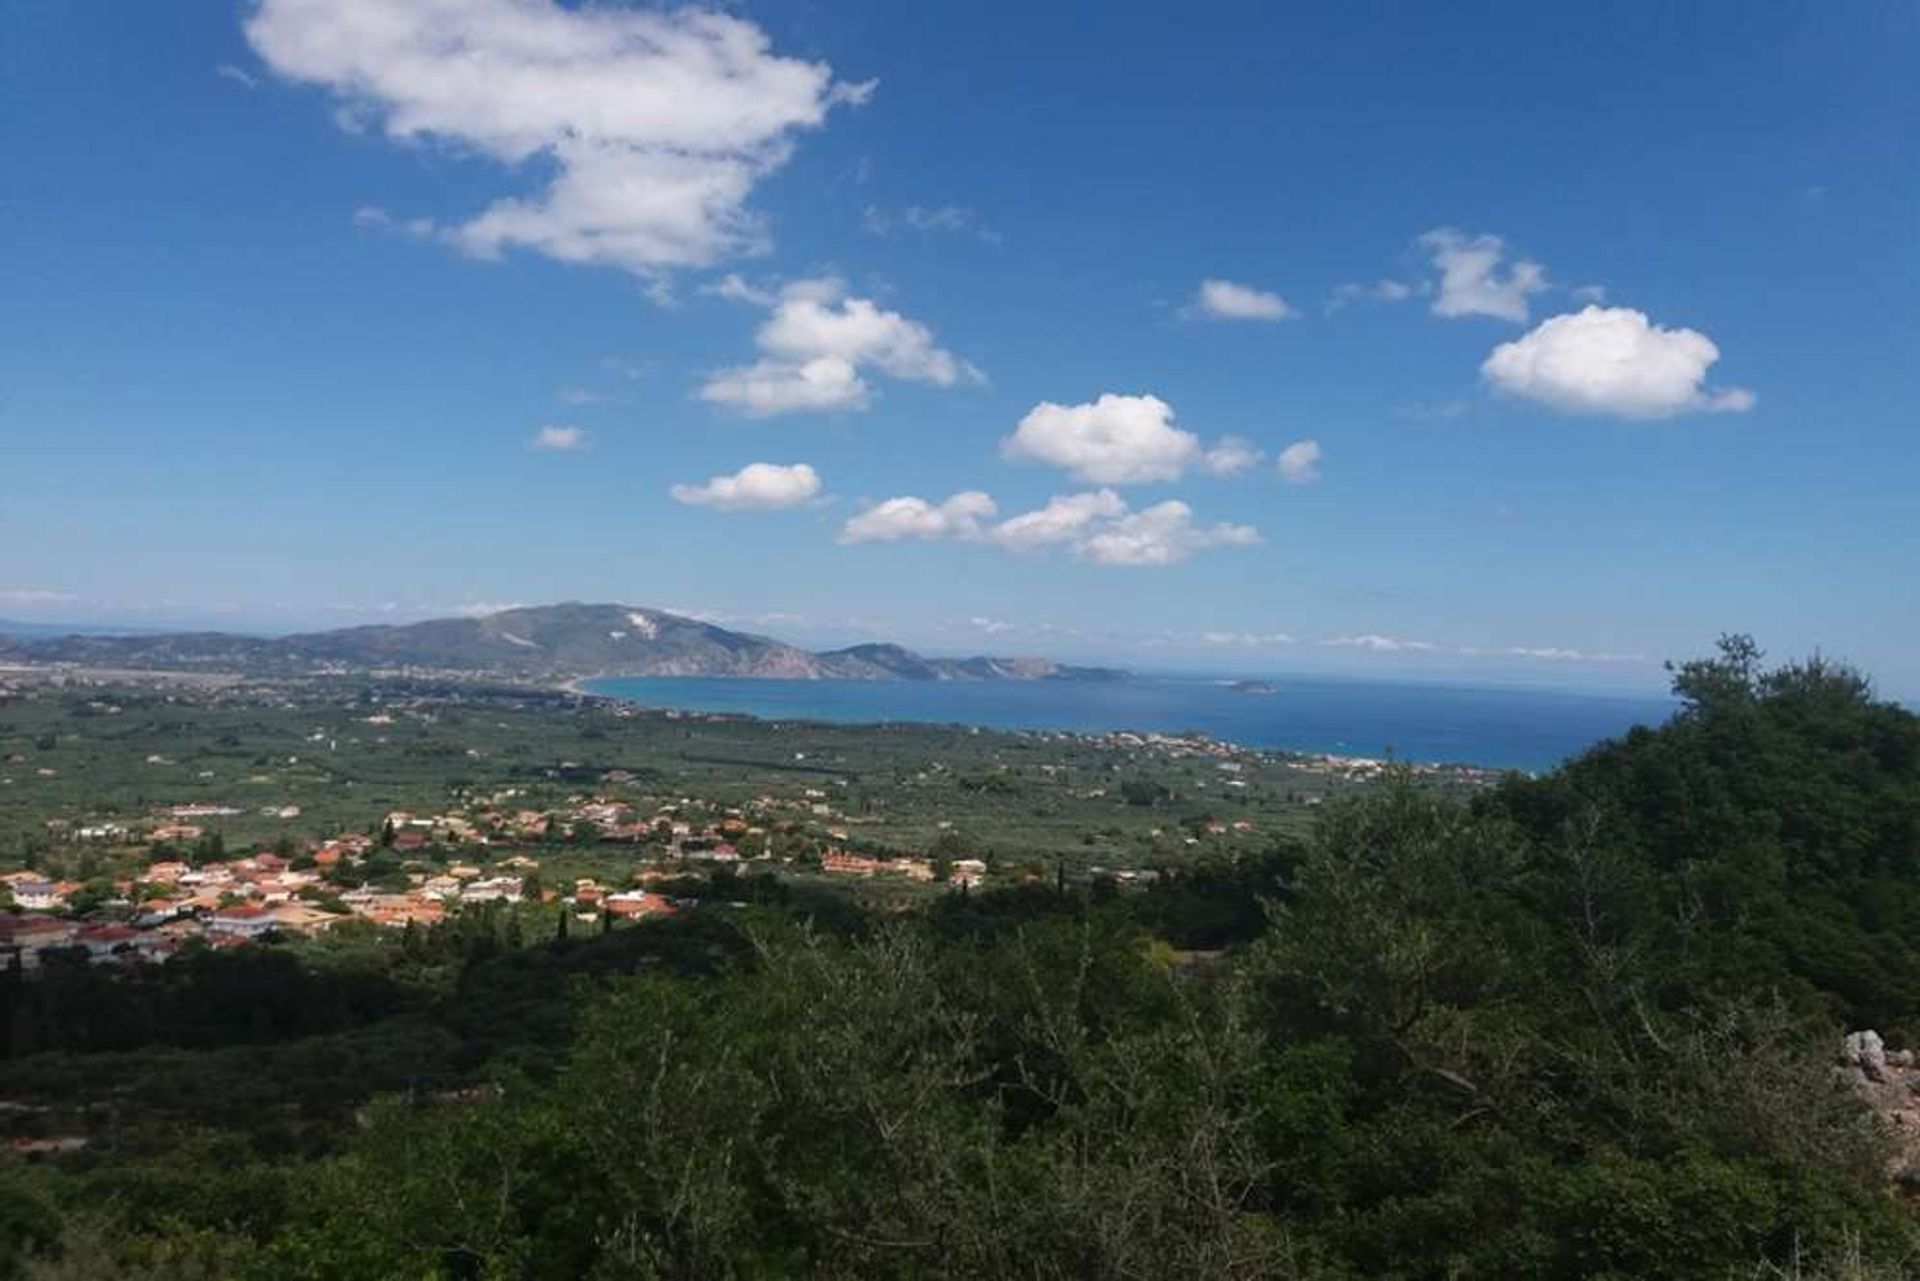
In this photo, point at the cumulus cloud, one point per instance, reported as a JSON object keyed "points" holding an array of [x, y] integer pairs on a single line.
{"points": [[755, 487], [1225, 300], [560, 439], [1097, 526], [769, 387], [1613, 362], [1299, 463], [1380, 644], [1163, 534], [816, 344], [814, 318], [1471, 280], [735, 288], [1230, 456], [1121, 440], [993, 626], [35, 596], [896, 519], [1115, 440], [654, 125], [1066, 518]]}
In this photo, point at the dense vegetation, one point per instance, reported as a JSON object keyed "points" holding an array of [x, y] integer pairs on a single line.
{"points": [[1578, 1026]]}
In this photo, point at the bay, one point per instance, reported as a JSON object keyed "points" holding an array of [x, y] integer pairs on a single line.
{"points": [[1501, 727]]}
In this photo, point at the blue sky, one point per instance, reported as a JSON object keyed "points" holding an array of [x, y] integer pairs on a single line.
{"points": [[1582, 343]]}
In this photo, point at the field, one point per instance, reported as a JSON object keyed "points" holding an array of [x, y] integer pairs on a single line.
{"points": [[298, 762]]}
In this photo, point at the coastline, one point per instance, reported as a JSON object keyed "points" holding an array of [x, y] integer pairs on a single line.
{"points": [[1365, 726]]}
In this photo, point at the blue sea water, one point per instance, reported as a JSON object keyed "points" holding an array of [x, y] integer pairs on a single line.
{"points": [[1509, 728]]}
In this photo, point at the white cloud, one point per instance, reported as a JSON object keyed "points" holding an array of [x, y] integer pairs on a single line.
{"points": [[239, 75], [1121, 440], [895, 519], [769, 387], [35, 596], [1590, 293], [755, 487], [1098, 526], [1230, 456], [993, 626], [814, 322], [1164, 534], [1225, 300], [1381, 644], [1613, 362], [735, 289], [560, 439], [1116, 440], [817, 342], [655, 125], [1299, 463], [1471, 283], [1066, 518]]}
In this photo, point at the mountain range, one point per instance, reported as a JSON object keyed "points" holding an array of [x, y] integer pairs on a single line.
{"points": [[548, 642]]}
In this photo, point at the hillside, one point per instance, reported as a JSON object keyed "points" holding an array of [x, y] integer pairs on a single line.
{"points": [[549, 642], [1651, 1015]]}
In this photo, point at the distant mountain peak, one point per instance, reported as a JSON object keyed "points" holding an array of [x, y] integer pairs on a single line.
{"points": [[569, 641]]}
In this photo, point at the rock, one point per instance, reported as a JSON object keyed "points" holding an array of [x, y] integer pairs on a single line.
{"points": [[1868, 1052], [1889, 1084]]}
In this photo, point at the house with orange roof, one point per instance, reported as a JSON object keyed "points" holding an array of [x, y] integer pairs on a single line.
{"points": [[299, 918], [634, 904], [836, 862], [398, 909]]}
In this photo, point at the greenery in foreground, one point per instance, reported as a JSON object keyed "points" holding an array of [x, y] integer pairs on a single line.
{"points": [[1580, 1025]]}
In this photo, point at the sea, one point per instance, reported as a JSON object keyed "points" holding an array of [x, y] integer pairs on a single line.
{"points": [[1496, 726]]}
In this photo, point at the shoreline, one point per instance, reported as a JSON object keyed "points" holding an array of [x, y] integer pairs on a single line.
{"points": [[1196, 740]]}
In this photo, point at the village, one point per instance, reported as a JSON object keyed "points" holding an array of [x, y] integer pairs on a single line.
{"points": [[413, 870], [151, 822]]}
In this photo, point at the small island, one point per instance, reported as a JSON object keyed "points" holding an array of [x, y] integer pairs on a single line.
{"points": [[1252, 687]]}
